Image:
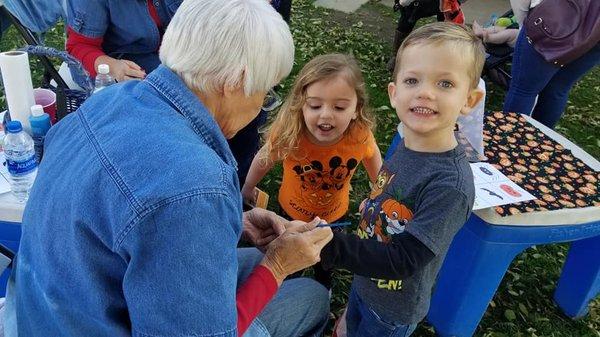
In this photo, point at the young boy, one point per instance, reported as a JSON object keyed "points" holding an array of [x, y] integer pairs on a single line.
{"points": [[424, 193]]}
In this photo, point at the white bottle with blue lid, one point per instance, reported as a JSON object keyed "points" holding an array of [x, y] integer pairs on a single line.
{"points": [[20, 160], [40, 124]]}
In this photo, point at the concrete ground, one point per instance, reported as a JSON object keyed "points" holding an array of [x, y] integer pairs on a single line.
{"points": [[479, 10]]}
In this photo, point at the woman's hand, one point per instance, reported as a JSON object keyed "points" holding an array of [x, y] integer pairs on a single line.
{"points": [[260, 227], [297, 248], [121, 70]]}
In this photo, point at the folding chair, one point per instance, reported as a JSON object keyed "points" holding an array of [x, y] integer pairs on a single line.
{"points": [[67, 100], [31, 39]]}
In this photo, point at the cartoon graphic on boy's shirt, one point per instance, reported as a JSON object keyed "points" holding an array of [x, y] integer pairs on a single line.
{"points": [[316, 182], [382, 216]]}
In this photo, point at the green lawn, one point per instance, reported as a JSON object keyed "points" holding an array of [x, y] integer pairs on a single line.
{"points": [[523, 304]]}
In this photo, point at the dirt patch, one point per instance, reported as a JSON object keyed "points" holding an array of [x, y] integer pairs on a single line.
{"points": [[376, 19]]}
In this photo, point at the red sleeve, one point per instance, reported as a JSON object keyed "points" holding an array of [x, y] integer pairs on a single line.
{"points": [[253, 296], [153, 13], [85, 49]]}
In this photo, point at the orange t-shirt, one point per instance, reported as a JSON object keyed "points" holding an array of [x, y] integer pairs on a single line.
{"points": [[316, 181]]}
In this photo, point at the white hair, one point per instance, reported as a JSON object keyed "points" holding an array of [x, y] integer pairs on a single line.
{"points": [[211, 44]]}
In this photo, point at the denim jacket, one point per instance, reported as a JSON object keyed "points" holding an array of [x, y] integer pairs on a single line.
{"points": [[37, 15], [132, 224], [125, 25]]}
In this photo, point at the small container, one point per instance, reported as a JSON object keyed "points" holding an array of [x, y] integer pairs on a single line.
{"points": [[40, 124], [103, 78]]}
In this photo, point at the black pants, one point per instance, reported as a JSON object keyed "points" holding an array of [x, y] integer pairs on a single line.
{"points": [[245, 144]]}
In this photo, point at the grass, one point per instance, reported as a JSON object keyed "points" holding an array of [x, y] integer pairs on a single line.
{"points": [[523, 304]]}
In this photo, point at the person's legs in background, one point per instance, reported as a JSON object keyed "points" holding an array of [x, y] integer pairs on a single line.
{"points": [[284, 8], [245, 144], [530, 74], [552, 99]]}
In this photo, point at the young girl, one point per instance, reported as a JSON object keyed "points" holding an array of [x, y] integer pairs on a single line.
{"points": [[321, 134]]}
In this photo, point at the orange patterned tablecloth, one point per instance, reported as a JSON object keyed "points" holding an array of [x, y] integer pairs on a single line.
{"points": [[539, 164]]}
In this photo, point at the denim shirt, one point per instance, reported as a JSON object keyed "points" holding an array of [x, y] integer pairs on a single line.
{"points": [[132, 224], [125, 25], [37, 15]]}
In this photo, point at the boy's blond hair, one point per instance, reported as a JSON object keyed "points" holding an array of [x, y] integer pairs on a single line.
{"points": [[459, 37], [285, 131]]}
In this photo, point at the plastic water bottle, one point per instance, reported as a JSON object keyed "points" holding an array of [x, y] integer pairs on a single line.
{"points": [[40, 124], [20, 160], [103, 79]]}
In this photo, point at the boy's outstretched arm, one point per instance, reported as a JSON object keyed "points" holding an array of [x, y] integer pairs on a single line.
{"points": [[398, 259], [258, 169], [439, 215]]}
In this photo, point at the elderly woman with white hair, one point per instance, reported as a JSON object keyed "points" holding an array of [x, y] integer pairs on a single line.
{"points": [[132, 225]]}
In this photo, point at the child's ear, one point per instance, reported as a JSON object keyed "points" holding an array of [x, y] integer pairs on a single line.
{"points": [[392, 93], [473, 98]]}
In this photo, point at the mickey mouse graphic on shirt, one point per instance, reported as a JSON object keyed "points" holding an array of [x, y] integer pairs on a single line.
{"points": [[338, 172], [319, 182]]}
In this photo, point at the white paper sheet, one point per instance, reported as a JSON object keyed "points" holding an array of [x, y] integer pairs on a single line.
{"points": [[4, 184], [492, 188]]}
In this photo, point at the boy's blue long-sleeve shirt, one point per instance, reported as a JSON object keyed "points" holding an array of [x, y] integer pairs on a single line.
{"points": [[417, 205]]}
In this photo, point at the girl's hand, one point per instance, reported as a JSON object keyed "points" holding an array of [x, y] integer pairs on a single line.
{"points": [[249, 194], [362, 204]]}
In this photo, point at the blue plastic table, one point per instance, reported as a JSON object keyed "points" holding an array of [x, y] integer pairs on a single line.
{"points": [[483, 249], [11, 212]]}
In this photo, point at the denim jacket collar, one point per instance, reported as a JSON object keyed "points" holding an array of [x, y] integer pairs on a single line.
{"points": [[166, 82]]}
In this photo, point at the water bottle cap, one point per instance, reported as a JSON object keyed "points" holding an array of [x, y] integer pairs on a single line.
{"points": [[14, 127], [37, 110], [103, 69]]}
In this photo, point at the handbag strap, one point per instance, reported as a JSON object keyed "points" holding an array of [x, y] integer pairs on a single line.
{"points": [[83, 80], [538, 20]]}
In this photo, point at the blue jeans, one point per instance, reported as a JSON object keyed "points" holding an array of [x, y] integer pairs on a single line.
{"points": [[300, 307], [532, 76], [362, 321]]}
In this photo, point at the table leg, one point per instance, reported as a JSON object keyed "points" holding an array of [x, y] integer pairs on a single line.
{"points": [[467, 282], [579, 282]]}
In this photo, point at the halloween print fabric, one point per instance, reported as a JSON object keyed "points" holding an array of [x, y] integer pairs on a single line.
{"points": [[539, 164]]}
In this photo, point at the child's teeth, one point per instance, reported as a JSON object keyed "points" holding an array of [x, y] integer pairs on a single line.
{"points": [[423, 111]]}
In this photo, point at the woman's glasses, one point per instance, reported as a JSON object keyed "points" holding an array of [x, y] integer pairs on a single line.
{"points": [[272, 101]]}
